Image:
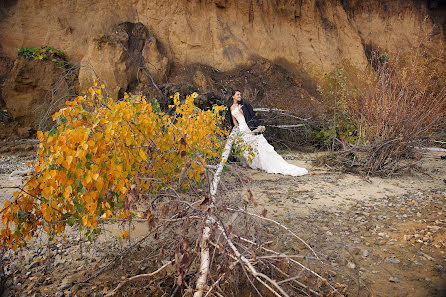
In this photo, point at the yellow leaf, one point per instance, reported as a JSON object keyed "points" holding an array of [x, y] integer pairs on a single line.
{"points": [[143, 155], [108, 214]]}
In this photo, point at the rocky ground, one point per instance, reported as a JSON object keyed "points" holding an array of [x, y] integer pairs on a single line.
{"points": [[386, 236]]}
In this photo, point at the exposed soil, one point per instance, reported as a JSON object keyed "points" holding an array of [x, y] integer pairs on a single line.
{"points": [[386, 234]]}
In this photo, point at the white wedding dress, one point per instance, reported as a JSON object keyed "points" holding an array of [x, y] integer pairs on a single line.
{"points": [[265, 157]]}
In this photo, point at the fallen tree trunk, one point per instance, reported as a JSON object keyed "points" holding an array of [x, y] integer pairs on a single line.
{"points": [[204, 244]]}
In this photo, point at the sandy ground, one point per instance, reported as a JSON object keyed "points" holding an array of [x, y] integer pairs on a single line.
{"points": [[388, 234]]}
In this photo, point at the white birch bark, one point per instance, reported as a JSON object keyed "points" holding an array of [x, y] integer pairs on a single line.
{"points": [[204, 256]]}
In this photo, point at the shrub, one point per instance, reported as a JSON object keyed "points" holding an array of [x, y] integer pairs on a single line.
{"points": [[43, 53], [400, 111], [102, 155], [338, 126]]}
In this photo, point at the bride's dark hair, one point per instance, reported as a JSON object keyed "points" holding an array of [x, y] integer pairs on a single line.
{"points": [[232, 94], [230, 102]]}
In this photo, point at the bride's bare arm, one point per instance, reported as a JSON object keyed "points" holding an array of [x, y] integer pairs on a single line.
{"points": [[234, 120]]}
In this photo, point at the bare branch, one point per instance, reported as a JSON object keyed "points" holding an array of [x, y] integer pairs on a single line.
{"points": [[136, 277], [280, 225]]}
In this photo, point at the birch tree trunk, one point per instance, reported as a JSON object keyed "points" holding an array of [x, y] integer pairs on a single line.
{"points": [[204, 244]]}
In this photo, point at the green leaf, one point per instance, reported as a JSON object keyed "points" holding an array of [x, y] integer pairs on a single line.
{"points": [[53, 131], [79, 208], [71, 221]]}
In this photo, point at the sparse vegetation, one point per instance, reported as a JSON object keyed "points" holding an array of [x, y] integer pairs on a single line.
{"points": [[338, 126], [43, 53], [398, 113], [385, 123]]}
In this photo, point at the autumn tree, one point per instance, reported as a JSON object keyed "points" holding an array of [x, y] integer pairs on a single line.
{"points": [[101, 154]]}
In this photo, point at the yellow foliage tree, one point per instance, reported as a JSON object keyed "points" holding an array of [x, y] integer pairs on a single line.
{"points": [[101, 152]]}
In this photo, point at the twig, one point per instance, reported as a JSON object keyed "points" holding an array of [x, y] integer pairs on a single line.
{"points": [[280, 225], [214, 284], [260, 277], [293, 261], [136, 277], [282, 112]]}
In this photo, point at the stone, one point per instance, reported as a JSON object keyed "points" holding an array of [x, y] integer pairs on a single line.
{"points": [[392, 260], [394, 279], [351, 265]]}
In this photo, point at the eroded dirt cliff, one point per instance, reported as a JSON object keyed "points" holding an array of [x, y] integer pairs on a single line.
{"points": [[310, 35], [305, 37]]}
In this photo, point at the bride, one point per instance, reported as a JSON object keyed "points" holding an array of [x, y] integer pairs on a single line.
{"points": [[265, 157]]}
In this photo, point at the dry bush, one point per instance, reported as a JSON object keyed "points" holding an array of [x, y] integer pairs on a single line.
{"points": [[401, 109]]}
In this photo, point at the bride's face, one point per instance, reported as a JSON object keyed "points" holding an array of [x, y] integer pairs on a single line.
{"points": [[237, 96]]}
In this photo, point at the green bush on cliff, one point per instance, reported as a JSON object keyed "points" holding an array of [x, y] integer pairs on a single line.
{"points": [[43, 53]]}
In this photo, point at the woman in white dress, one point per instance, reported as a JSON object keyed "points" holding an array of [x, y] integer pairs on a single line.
{"points": [[265, 157]]}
